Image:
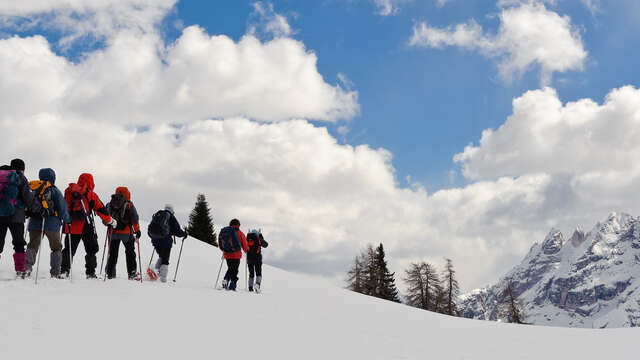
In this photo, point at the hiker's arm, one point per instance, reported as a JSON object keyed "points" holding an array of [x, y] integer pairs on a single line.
{"points": [[27, 195], [264, 243], [135, 219], [61, 205], [99, 208], [175, 227]]}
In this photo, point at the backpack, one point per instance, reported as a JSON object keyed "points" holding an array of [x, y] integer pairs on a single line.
{"points": [[74, 195], [43, 199], [254, 243], [9, 184], [159, 225], [120, 209], [228, 240]]}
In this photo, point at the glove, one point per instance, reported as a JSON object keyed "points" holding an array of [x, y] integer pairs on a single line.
{"points": [[113, 223], [186, 233], [138, 234]]}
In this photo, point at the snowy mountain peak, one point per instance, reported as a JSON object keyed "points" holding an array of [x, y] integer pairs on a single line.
{"points": [[552, 244], [593, 282], [577, 238]]}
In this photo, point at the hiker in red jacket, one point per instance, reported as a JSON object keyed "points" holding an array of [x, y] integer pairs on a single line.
{"points": [[82, 203], [233, 257], [127, 226]]}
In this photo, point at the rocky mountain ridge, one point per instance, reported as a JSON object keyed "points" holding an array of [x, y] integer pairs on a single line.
{"points": [[589, 280]]}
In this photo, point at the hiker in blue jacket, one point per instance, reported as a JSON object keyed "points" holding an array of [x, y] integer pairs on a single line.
{"points": [[163, 244], [53, 219]]}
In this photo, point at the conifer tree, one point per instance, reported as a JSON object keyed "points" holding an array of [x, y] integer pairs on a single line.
{"points": [[356, 276], [451, 289], [201, 223], [423, 286], [386, 284], [510, 307]]}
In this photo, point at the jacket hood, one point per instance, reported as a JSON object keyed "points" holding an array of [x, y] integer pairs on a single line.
{"points": [[124, 191], [47, 175], [86, 180]]}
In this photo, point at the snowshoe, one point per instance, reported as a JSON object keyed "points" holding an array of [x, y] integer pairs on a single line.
{"points": [[153, 276], [225, 284], [134, 276]]}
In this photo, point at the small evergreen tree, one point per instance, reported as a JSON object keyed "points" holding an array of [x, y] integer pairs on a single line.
{"points": [[386, 283], [201, 223], [356, 276], [423, 286], [451, 289], [510, 307]]}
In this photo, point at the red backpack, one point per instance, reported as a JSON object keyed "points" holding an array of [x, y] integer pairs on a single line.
{"points": [[74, 195]]}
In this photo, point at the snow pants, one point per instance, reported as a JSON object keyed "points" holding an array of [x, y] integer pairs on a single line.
{"points": [[17, 234], [35, 237], [91, 248], [129, 250], [255, 265], [232, 270], [163, 248]]}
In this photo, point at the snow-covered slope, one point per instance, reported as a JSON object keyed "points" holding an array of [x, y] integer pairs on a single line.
{"points": [[297, 317], [589, 280]]}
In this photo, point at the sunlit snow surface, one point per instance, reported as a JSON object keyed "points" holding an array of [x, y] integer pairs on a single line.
{"points": [[296, 317]]}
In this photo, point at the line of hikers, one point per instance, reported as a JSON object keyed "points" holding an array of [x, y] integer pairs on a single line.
{"points": [[52, 214]]}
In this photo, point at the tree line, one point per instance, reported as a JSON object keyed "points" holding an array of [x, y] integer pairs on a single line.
{"points": [[426, 287]]}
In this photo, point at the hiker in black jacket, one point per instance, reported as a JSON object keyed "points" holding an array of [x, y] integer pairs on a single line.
{"points": [[254, 258], [163, 244]]}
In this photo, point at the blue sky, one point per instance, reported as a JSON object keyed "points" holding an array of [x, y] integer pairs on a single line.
{"points": [[426, 105]]}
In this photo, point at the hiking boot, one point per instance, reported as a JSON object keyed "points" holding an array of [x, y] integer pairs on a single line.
{"points": [[111, 276], [133, 275], [232, 286], [64, 274], [57, 276], [92, 276], [225, 284], [257, 287], [250, 288], [20, 275]]}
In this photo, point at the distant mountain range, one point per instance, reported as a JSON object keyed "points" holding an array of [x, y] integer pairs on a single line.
{"points": [[589, 280]]}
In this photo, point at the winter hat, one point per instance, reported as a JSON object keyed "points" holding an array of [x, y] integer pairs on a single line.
{"points": [[6, 167], [17, 164], [169, 208], [234, 222], [254, 231]]}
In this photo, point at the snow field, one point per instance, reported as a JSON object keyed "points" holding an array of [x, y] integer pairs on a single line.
{"points": [[296, 317]]}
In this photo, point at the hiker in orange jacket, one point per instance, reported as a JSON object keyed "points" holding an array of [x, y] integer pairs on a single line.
{"points": [[125, 214], [233, 258], [82, 202]]}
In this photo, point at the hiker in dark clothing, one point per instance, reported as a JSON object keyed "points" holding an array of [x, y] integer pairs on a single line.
{"points": [[256, 242], [15, 223], [163, 245]]}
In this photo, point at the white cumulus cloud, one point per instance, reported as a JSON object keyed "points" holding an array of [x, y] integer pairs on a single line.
{"points": [[529, 36]]}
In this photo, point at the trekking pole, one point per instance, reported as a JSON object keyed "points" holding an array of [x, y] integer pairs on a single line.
{"points": [[179, 256], [109, 231], [139, 256], [68, 238], [219, 270], [104, 250], [246, 270], [39, 248], [151, 260]]}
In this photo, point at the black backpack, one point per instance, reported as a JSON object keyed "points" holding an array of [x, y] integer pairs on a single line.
{"points": [[120, 209], [228, 240], [159, 225]]}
